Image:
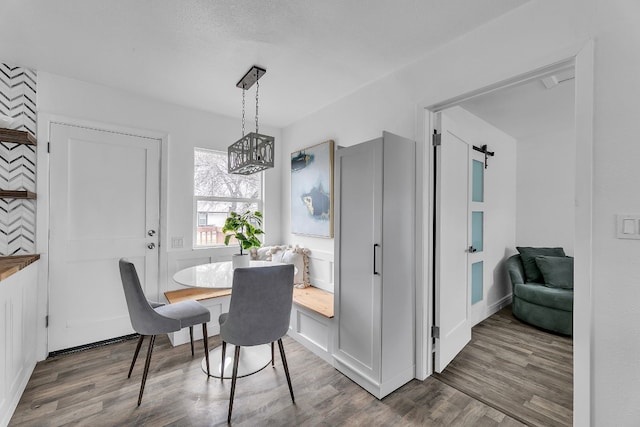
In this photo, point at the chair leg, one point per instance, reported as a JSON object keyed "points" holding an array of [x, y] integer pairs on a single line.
{"points": [[286, 369], [224, 354], [146, 367], [191, 336], [236, 357], [205, 339], [272, 359], [135, 355]]}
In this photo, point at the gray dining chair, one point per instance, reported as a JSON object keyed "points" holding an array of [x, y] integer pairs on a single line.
{"points": [[259, 313], [151, 319]]}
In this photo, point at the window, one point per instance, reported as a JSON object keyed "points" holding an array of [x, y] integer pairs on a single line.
{"points": [[216, 193]]}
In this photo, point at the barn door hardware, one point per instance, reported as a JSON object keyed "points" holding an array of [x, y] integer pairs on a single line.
{"points": [[486, 153]]}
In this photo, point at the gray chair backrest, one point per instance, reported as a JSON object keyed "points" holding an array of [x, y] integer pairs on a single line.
{"points": [[515, 269], [144, 319], [260, 305]]}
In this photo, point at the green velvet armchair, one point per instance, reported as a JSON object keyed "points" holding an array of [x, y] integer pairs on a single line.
{"points": [[547, 307]]}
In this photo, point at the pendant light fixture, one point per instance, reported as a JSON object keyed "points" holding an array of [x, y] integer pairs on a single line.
{"points": [[254, 152]]}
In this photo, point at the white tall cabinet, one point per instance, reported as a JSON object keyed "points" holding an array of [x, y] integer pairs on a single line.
{"points": [[375, 263]]}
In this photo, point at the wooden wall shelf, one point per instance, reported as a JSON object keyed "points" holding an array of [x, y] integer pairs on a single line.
{"points": [[17, 136], [7, 194]]}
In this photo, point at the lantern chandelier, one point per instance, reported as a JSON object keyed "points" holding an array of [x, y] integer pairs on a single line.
{"points": [[253, 152]]}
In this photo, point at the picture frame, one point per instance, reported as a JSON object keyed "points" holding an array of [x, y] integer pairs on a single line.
{"points": [[312, 190]]}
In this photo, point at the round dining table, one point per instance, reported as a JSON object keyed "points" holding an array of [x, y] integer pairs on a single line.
{"points": [[219, 275]]}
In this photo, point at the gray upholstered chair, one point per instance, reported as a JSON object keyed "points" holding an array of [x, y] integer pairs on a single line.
{"points": [[258, 314], [151, 319]]}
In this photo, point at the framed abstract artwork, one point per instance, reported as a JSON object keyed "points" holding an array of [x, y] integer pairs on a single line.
{"points": [[312, 190]]}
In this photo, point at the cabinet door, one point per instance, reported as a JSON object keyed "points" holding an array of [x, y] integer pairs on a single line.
{"points": [[359, 233]]}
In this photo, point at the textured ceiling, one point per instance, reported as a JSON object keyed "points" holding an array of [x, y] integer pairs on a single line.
{"points": [[192, 52]]}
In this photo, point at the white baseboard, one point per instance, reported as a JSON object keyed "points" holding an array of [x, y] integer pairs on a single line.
{"points": [[499, 305]]}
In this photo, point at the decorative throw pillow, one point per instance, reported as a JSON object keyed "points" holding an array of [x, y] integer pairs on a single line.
{"points": [[528, 256], [556, 271], [297, 256], [275, 253], [290, 257], [304, 252], [260, 254]]}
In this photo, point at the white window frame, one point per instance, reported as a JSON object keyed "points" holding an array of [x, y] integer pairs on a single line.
{"points": [[259, 202]]}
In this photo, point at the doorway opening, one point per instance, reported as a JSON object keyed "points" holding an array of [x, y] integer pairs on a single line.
{"points": [[529, 195]]}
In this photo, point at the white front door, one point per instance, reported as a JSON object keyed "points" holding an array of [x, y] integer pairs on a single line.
{"points": [[104, 205]]}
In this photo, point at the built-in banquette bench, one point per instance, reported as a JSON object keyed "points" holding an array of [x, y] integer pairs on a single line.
{"points": [[311, 314], [311, 298]]}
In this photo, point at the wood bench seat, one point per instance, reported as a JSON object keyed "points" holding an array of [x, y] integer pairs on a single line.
{"points": [[315, 299], [197, 294]]}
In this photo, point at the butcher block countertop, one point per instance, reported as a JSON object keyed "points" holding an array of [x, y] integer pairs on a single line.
{"points": [[12, 264]]}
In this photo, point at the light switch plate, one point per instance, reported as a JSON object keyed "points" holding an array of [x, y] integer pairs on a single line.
{"points": [[177, 242], [628, 226]]}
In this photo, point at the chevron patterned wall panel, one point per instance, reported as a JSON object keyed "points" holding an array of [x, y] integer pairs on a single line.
{"points": [[17, 161]]}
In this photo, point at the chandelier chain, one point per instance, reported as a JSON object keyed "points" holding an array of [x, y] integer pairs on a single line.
{"points": [[257, 89], [243, 92]]}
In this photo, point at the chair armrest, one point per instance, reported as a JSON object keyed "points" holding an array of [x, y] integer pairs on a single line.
{"points": [[515, 269]]}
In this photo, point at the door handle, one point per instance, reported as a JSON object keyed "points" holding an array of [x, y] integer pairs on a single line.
{"points": [[151, 233], [375, 245], [151, 245], [472, 249]]}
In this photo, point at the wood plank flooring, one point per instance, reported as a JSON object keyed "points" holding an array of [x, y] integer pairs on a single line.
{"points": [[518, 369], [90, 388]]}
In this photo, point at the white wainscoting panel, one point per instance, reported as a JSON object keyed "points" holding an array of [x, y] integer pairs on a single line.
{"points": [[321, 270], [313, 331], [18, 336]]}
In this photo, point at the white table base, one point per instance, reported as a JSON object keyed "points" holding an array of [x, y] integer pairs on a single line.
{"points": [[252, 360]]}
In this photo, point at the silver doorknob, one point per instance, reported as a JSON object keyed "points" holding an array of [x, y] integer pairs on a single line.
{"points": [[151, 245], [151, 232]]}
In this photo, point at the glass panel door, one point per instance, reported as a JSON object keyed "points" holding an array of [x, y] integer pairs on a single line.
{"points": [[477, 194], [477, 289]]}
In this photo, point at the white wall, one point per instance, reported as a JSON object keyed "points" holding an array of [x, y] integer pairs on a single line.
{"points": [[537, 34], [616, 263], [186, 128], [546, 190]]}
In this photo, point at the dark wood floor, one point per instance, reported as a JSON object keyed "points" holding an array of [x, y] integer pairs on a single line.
{"points": [[91, 388], [518, 369]]}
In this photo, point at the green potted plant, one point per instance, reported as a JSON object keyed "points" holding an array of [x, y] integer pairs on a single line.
{"points": [[245, 228]]}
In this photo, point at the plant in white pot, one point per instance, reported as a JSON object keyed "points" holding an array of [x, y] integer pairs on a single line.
{"points": [[245, 228]]}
